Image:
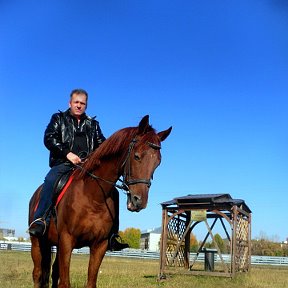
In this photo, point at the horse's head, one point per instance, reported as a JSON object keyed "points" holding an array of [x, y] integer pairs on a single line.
{"points": [[143, 158], [137, 165]]}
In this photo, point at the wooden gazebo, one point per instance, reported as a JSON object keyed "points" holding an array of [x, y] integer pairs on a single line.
{"points": [[181, 215]]}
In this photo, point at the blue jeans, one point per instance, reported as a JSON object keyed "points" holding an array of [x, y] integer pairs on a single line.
{"points": [[47, 192]]}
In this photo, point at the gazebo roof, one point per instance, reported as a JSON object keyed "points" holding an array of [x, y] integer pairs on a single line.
{"points": [[206, 201]]}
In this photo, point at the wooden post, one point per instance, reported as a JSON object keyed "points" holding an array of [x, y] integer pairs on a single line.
{"points": [[234, 241], [163, 244], [187, 241], [249, 241]]}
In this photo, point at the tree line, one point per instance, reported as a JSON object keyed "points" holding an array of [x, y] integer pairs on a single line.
{"points": [[260, 247]]}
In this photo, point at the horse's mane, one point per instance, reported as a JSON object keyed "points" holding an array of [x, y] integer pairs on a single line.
{"points": [[116, 144]]}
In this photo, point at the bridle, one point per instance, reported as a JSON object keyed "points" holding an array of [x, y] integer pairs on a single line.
{"points": [[126, 177], [127, 180]]}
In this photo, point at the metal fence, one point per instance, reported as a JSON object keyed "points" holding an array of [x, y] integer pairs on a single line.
{"points": [[144, 254]]}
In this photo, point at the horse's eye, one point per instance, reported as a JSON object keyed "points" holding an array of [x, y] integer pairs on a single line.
{"points": [[137, 156]]}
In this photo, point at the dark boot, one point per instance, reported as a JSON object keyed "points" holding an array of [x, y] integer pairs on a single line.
{"points": [[115, 245], [37, 228]]}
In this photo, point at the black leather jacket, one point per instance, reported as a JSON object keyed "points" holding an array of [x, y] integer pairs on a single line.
{"points": [[59, 135]]}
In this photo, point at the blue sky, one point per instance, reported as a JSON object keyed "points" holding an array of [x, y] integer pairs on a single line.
{"points": [[214, 70]]}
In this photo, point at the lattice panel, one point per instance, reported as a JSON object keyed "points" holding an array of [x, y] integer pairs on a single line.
{"points": [[175, 231], [242, 243]]}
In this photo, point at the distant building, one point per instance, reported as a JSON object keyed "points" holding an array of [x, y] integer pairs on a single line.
{"points": [[150, 239], [7, 232]]}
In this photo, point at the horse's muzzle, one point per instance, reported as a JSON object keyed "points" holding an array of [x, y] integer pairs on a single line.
{"points": [[134, 203]]}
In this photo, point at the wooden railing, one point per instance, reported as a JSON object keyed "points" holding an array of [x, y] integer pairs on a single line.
{"points": [[145, 254]]}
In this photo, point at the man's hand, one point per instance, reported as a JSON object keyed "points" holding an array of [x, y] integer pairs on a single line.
{"points": [[73, 158]]}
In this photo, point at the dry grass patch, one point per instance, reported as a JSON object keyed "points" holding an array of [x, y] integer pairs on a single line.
{"points": [[16, 271]]}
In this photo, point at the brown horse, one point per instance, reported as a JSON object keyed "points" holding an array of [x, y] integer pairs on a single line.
{"points": [[86, 213]]}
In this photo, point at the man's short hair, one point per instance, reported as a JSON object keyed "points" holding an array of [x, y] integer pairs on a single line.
{"points": [[79, 91]]}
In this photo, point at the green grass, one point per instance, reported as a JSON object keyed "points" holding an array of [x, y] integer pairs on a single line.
{"points": [[16, 271]]}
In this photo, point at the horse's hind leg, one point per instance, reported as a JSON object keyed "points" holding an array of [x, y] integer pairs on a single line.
{"points": [[55, 272], [41, 256], [37, 260], [45, 263]]}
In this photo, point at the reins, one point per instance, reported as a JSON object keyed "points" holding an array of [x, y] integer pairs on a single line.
{"points": [[122, 187], [127, 180]]}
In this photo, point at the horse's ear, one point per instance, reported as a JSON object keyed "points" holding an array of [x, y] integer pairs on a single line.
{"points": [[164, 134], [143, 125]]}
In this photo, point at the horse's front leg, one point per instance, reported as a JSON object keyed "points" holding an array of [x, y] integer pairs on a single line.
{"points": [[64, 258], [97, 252]]}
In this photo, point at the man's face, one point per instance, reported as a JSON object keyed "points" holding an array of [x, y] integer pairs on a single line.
{"points": [[78, 104]]}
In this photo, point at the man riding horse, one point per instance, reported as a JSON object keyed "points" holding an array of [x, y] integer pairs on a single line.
{"points": [[70, 137]]}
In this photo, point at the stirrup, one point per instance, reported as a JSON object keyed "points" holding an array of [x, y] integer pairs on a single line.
{"points": [[38, 220]]}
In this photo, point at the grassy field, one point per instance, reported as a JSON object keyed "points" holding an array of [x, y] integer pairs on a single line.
{"points": [[16, 269]]}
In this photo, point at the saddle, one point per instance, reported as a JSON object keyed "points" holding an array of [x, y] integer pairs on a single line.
{"points": [[60, 184], [60, 188]]}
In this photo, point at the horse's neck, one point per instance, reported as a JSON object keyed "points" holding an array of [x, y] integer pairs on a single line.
{"points": [[108, 171]]}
